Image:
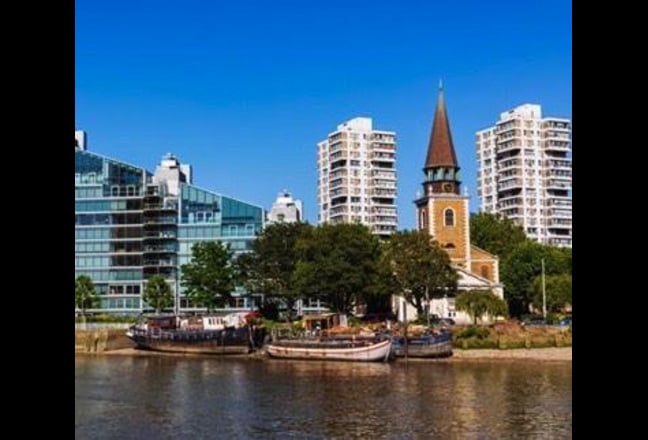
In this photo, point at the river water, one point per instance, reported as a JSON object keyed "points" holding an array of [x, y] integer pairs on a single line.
{"points": [[161, 397]]}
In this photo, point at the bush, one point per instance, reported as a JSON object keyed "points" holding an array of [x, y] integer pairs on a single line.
{"points": [[354, 321], [476, 343], [473, 332], [543, 342], [553, 318], [509, 343]]}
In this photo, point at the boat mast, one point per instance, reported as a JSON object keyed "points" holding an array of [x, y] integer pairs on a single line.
{"points": [[544, 293]]}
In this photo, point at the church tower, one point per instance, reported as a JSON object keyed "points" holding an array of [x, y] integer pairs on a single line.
{"points": [[443, 210]]}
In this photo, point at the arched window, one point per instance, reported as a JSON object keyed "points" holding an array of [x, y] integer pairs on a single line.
{"points": [[484, 271], [449, 246], [449, 217]]}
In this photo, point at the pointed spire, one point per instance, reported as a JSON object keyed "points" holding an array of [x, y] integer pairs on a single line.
{"points": [[440, 148]]}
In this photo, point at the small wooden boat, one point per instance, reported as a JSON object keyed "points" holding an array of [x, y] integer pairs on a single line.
{"points": [[351, 349], [429, 345]]}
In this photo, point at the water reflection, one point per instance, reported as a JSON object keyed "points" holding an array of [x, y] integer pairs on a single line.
{"points": [[171, 397], [325, 369]]}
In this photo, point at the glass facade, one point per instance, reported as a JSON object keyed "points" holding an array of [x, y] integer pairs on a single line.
{"points": [[130, 226]]}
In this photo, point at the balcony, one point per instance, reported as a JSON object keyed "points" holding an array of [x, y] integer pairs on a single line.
{"points": [[383, 193], [376, 146], [160, 235], [158, 263], [379, 183], [160, 221], [559, 203], [559, 223], [558, 184], [557, 145], [509, 145], [560, 213], [509, 183], [157, 249], [383, 157], [559, 164], [558, 174], [509, 164], [341, 192]]}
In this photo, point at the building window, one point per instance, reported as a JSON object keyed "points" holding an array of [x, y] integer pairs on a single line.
{"points": [[484, 271], [449, 246], [449, 217]]}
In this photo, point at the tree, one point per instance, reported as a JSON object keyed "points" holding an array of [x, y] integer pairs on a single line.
{"points": [[558, 290], [495, 234], [269, 267], [337, 264], [209, 277], [85, 295], [157, 293], [382, 286], [421, 269], [523, 265], [477, 303]]}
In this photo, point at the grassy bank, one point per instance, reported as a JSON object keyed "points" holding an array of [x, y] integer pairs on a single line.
{"points": [[510, 336]]}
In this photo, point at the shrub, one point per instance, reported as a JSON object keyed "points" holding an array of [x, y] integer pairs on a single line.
{"points": [[473, 332]]}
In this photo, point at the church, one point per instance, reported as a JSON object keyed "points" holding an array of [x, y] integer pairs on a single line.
{"points": [[443, 211]]}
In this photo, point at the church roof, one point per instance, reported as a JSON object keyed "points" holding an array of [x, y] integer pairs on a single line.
{"points": [[441, 151]]}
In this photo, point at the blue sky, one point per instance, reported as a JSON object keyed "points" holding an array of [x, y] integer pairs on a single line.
{"points": [[244, 90]]}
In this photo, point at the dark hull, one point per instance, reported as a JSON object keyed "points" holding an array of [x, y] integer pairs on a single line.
{"points": [[424, 347], [229, 341]]}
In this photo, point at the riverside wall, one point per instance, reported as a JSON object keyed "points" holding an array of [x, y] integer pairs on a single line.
{"points": [[100, 340]]}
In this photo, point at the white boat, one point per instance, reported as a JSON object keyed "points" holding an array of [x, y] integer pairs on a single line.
{"points": [[334, 350]]}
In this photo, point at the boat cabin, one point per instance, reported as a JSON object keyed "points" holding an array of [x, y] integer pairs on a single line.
{"points": [[161, 322], [323, 321]]}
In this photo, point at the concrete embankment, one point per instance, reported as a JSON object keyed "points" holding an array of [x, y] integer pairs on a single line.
{"points": [[535, 354], [100, 340]]}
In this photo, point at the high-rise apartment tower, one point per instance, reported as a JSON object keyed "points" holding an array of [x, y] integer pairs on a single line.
{"points": [[357, 177], [525, 173]]}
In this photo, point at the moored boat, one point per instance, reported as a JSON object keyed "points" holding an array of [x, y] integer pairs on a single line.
{"points": [[227, 334], [427, 345], [350, 349]]}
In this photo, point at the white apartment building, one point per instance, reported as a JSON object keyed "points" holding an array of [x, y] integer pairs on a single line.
{"points": [[286, 209], [357, 177], [525, 173]]}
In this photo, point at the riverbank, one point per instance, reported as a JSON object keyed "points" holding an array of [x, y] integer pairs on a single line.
{"points": [[534, 354], [555, 354], [114, 342]]}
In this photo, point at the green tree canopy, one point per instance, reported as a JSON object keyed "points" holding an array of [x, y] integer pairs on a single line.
{"points": [[157, 293], [209, 277], [523, 265], [337, 264], [478, 303], [495, 233], [379, 292], [269, 267], [85, 295], [558, 290], [421, 268]]}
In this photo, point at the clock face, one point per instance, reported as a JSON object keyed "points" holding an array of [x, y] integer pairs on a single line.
{"points": [[447, 187]]}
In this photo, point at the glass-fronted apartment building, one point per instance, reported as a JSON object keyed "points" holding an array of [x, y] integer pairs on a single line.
{"points": [[131, 224]]}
